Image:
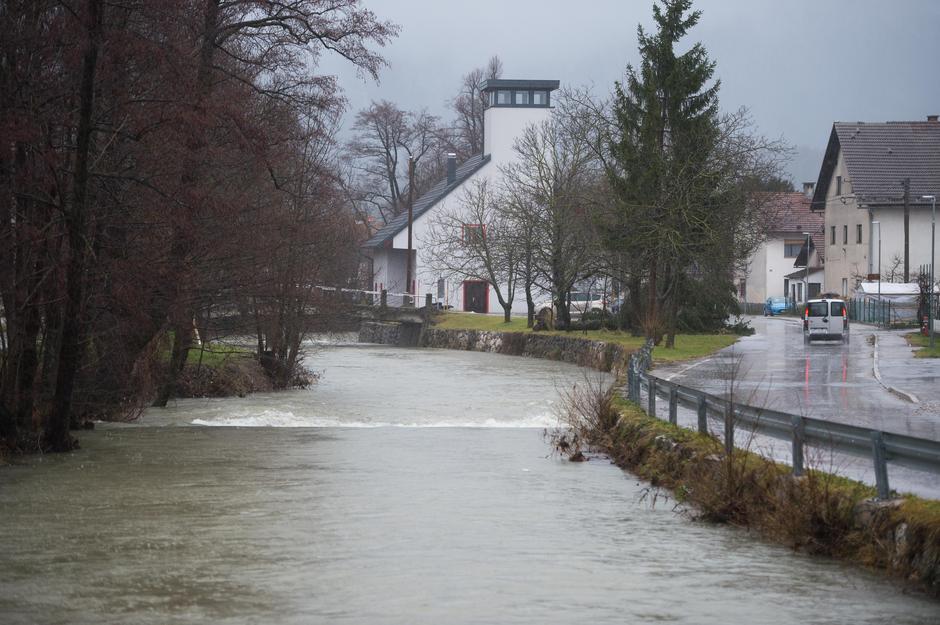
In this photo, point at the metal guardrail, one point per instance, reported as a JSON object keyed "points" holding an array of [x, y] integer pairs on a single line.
{"points": [[878, 446]]}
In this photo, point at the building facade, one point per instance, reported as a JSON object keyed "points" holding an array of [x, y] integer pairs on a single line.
{"points": [[511, 106], [771, 269], [871, 183]]}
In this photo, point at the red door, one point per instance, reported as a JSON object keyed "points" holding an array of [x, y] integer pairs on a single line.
{"points": [[476, 296]]}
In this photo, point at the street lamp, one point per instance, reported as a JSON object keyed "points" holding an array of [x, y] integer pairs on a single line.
{"points": [[878, 223], [806, 270], [933, 236]]}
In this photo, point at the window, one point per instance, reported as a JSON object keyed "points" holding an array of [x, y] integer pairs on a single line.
{"points": [[837, 309], [504, 96], [473, 233], [858, 233], [491, 98], [838, 185], [440, 289], [818, 309], [522, 97], [540, 98], [845, 234], [832, 237], [791, 248]]}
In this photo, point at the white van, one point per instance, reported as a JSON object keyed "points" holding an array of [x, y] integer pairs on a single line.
{"points": [[825, 320]]}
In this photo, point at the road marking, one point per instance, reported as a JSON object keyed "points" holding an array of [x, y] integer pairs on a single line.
{"points": [[684, 369]]}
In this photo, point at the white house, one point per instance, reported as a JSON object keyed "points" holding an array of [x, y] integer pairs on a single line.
{"points": [[512, 105], [872, 180], [771, 271]]}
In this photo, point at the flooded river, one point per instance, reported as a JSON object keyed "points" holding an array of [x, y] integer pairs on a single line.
{"points": [[408, 486]]}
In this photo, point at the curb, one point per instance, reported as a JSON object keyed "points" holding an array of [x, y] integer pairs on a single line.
{"points": [[902, 394]]}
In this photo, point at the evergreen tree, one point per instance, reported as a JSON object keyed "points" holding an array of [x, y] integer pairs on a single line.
{"points": [[666, 128]]}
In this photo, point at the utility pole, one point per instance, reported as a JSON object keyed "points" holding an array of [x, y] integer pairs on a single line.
{"points": [[411, 196], [806, 270], [907, 228]]}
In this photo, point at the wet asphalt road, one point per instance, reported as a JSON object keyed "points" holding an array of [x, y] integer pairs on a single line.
{"points": [[826, 380]]}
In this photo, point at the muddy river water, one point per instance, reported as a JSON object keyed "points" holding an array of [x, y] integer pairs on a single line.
{"points": [[407, 486]]}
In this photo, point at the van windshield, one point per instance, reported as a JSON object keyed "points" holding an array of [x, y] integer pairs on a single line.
{"points": [[818, 309]]}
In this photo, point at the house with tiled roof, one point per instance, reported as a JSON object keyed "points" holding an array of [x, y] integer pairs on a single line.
{"points": [[511, 106], [778, 266], [871, 187]]}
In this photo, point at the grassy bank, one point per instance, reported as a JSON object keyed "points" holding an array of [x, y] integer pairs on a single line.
{"points": [[922, 342], [818, 513], [687, 345]]}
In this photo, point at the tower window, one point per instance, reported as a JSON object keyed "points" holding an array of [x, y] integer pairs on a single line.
{"points": [[504, 96], [540, 98], [522, 97]]}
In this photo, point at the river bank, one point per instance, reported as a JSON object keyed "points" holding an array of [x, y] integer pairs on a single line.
{"points": [[820, 513]]}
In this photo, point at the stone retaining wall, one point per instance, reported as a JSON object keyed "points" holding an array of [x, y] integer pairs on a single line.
{"points": [[586, 353]]}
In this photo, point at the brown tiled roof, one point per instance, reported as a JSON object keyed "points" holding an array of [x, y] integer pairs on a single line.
{"points": [[789, 213], [879, 156]]}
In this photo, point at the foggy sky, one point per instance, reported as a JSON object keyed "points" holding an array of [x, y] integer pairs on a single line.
{"points": [[797, 65]]}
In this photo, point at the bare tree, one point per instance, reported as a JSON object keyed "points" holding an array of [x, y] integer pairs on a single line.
{"points": [[555, 185], [469, 105], [476, 240], [386, 137]]}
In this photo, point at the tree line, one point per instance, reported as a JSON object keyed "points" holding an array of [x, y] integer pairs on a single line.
{"points": [[163, 164], [651, 192]]}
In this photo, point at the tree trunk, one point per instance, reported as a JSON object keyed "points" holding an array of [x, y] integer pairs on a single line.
{"points": [[530, 306], [57, 427], [651, 317]]}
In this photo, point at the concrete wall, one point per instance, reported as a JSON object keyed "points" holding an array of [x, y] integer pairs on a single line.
{"points": [[593, 354], [503, 125]]}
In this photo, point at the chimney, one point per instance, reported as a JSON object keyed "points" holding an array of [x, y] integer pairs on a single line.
{"points": [[808, 188], [932, 118], [451, 168]]}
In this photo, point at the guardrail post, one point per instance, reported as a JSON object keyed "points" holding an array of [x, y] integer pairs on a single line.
{"points": [[651, 396], [729, 428], [880, 458], [427, 300], [383, 298], [673, 405], [702, 414], [799, 435]]}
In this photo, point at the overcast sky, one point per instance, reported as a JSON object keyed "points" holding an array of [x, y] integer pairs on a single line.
{"points": [[798, 65]]}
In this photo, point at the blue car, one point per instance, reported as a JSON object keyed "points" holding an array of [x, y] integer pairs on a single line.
{"points": [[775, 306]]}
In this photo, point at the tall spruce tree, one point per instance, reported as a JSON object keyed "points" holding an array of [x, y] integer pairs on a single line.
{"points": [[666, 127]]}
